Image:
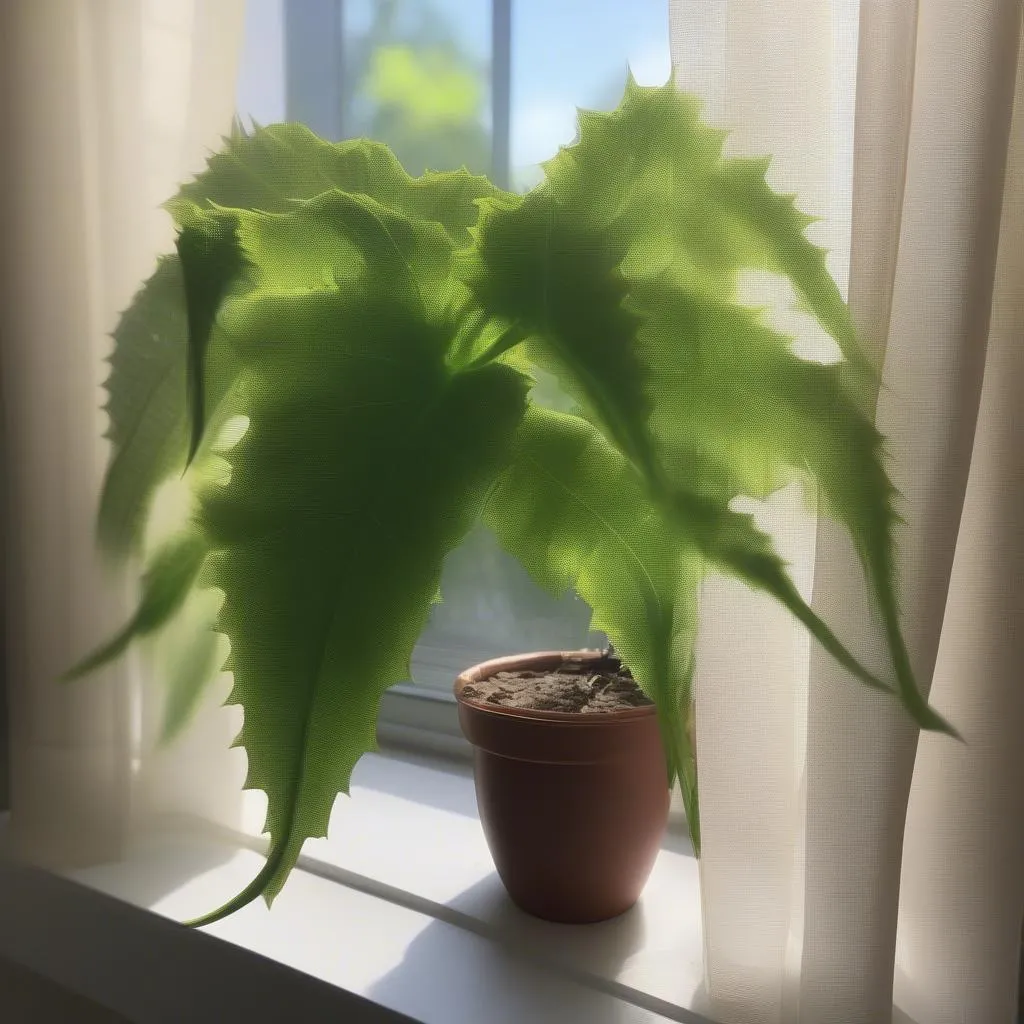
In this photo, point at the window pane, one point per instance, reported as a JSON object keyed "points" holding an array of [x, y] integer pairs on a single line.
{"points": [[261, 71], [416, 75], [571, 54]]}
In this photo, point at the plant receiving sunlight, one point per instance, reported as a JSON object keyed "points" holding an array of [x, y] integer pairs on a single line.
{"points": [[368, 339]]}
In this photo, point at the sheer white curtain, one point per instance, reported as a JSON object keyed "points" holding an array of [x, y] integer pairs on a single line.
{"points": [[847, 864], [108, 104]]}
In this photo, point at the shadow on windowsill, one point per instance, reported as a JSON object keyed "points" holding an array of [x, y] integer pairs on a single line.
{"points": [[528, 970], [677, 840]]}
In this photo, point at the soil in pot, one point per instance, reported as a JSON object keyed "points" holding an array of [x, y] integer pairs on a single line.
{"points": [[570, 778], [574, 686]]}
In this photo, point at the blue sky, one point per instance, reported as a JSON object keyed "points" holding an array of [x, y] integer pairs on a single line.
{"points": [[566, 53]]}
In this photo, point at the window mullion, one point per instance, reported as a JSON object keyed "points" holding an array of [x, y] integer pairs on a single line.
{"points": [[501, 91], [312, 65]]}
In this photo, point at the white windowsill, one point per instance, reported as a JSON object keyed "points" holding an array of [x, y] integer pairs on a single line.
{"points": [[402, 905]]}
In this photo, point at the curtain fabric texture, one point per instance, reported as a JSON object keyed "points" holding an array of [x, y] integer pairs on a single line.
{"points": [[108, 105], [849, 865]]}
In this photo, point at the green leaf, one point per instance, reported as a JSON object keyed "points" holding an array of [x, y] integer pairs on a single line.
{"points": [[365, 462], [653, 173], [732, 542], [279, 254], [745, 552], [731, 411], [737, 412], [267, 169], [186, 657], [537, 264], [233, 252], [625, 262], [770, 235], [625, 163], [212, 263], [574, 511], [145, 403], [411, 258], [166, 583]]}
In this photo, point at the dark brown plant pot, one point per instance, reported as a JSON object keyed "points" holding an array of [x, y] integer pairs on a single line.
{"points": [[573, 805]]}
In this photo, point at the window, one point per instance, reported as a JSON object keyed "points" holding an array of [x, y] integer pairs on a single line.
{"points": [[492, 85]]}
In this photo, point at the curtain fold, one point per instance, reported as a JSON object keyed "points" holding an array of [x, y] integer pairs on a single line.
{"points": [[814, 771], [107, 104], [962, 888], [751, 681], [194, 49], [861, 750]]}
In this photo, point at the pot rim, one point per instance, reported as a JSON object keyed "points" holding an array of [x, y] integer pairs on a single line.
{"points": [[511, 662]]}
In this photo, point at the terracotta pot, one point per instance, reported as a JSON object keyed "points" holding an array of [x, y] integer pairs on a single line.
{"points": [[573, 805]]}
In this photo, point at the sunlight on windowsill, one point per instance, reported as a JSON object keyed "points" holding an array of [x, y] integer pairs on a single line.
{"points": [[411, 827], [404, 891]]}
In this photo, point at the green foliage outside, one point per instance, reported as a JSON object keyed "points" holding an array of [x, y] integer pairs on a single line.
{"points": [[352, 354], [408, 82]]}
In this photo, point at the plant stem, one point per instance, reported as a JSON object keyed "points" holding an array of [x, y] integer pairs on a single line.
{"points": [[509, 338]]}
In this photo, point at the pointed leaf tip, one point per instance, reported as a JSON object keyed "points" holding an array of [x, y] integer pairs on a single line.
{"points": [[168, 579]]}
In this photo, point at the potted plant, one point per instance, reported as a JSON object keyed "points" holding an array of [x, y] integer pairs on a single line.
{"points": [[570, 778], [336, 365]]}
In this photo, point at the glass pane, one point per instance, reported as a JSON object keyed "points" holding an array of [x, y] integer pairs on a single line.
{"points": [[571, 54], [261, 71], [412, 73], [416, 75]]}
